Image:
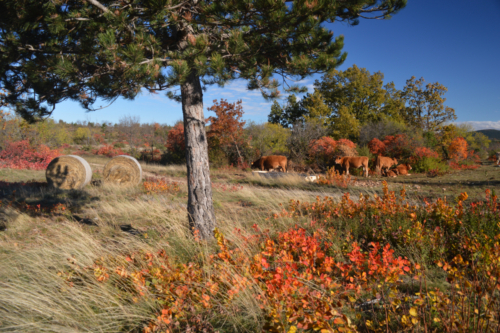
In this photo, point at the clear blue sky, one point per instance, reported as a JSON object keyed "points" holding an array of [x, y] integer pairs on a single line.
{"points": [[454, 42]]}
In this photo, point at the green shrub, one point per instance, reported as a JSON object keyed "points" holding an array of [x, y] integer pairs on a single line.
{"points": [[430, 163], [364, 151]]}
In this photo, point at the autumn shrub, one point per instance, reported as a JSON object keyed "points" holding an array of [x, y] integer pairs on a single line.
{"points": [[457, 149], [226, 133], [21, 155], [463, 165], [424, 159], [322, 151], [176, 146], [399, 146], [369, 264], [150, 155], [109, 151], [376, 147], [155, 185], [335, 178]]}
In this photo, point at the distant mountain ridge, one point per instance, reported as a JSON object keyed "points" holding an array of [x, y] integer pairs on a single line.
{"points": [[491, 133]]}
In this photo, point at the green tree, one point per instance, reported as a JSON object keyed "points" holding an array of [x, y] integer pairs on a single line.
{"points": [[356, 89], [81, 135], [317, 110], [268, 138], [85, 50], [425, 104], [288, 114], [345, 125]]}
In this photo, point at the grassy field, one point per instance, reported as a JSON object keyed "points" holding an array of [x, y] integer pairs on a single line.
{"points": [[46, 233]]}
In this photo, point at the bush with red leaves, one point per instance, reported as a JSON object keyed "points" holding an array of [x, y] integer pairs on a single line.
{"points": [[109, 151], [377, 147], [21, 155]]}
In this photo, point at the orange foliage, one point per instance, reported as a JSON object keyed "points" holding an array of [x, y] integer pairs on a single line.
{"points": [[303, 281], [154, 185], [324, 146], [376, 147], [333, 177], [175, 139], [226, 126], [458, 149]]}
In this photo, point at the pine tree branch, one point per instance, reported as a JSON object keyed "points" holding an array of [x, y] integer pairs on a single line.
{"points": [[100, 6]]}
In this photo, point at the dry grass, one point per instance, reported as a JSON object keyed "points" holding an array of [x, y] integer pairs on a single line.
{"points": [[109, 221], [105, 222]]}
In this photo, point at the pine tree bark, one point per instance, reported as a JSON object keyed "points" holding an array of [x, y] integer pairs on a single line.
{"points": [[200, 205]]}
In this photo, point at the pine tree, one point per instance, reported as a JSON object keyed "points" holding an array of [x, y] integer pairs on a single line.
{"points": [[52, 51]]}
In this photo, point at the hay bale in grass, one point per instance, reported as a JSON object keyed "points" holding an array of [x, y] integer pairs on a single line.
{"points": [[123, 170], [68, 172]]}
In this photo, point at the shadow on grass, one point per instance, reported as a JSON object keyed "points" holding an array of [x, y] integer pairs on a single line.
{"points": [[37, 198]]}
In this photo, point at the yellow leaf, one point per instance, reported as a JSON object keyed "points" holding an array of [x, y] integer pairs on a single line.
{"points": [[413, 312], [437, 320], [292, 329]]}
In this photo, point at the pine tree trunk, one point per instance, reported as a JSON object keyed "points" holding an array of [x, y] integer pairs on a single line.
{"points": [[200, 205]]}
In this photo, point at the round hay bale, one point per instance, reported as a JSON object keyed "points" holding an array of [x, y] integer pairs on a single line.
{"points": [[68, 172], [123, 170]]}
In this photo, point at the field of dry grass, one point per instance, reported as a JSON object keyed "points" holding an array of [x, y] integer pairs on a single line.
{"points": [[37, 247]]}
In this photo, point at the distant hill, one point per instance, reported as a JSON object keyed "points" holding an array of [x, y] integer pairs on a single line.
{"points": [[491, 133]]}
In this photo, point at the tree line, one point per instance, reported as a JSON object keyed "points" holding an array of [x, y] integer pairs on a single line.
{"points": [[345, 101]]}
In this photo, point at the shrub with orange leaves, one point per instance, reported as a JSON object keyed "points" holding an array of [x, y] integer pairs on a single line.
{"points": [[458, 149], [333, 177], [176, 146], [109, 151], [347, 143], [154, 185], [376, 147], [322, 151], [339, 269]]}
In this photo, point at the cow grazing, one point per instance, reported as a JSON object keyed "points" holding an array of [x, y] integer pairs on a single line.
{"points": [[382, 163], [270, 163], [403, 169], [353, 162]]}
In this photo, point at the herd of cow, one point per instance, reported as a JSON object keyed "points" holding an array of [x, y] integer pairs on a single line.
{"points": [[383, 165]]}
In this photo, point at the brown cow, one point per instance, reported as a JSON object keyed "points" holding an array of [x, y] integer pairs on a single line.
{"points": [[390, 173], [383, 162], [270, 162], [353, 162], [403, 169]]}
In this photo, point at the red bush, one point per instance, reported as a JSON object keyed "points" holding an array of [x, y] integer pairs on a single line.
{"points": [[422, 152], [346, 142], [109, 151], [324, 146], [397, 145], [322, 151], [462, 166], [377, 147], [175, 139], [20, 155]]}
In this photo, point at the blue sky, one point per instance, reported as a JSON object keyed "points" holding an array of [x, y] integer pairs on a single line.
{"points": [[454, 42]]}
